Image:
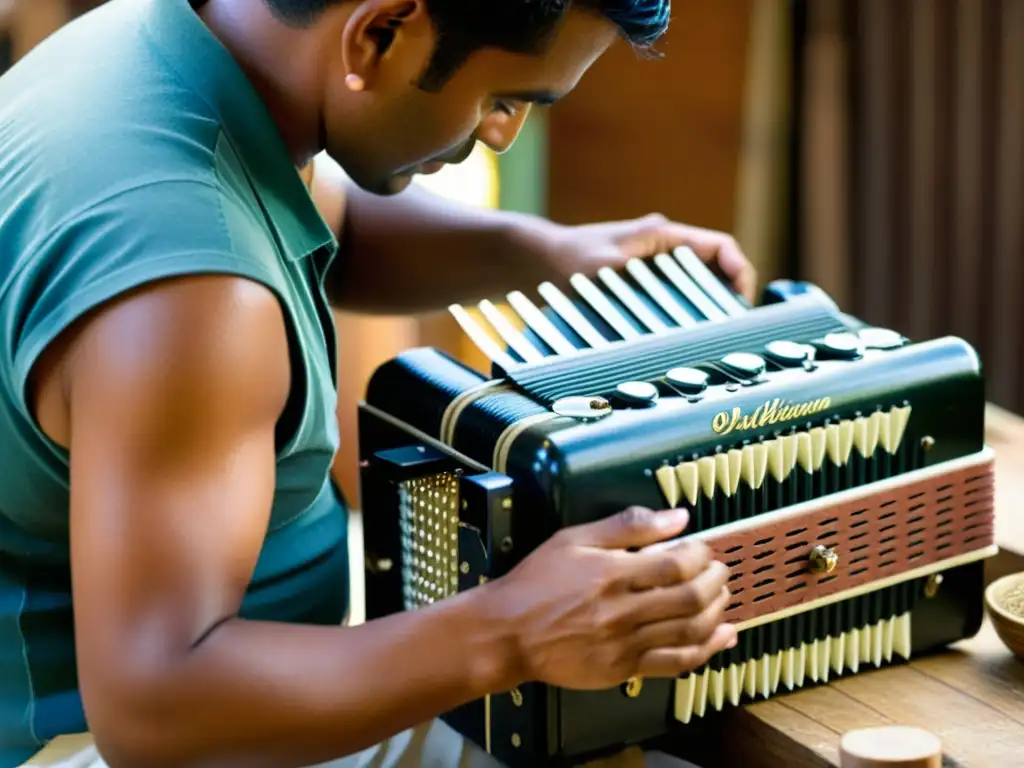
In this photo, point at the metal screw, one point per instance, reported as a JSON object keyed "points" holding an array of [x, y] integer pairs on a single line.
{"points": [[931, 587], [633, 686], [506, 544], [927, 442], [517, 740]]}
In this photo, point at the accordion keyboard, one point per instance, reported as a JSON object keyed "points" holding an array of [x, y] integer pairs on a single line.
{"points": [[671, 291]]}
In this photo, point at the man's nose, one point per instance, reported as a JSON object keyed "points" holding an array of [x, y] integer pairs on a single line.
{"points": [[499, 131]]}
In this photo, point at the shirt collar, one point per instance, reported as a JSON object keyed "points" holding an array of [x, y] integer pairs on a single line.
{"points": [[207, 67]]}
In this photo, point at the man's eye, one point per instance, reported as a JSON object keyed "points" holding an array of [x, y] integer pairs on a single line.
{"points": [[506, 107]]}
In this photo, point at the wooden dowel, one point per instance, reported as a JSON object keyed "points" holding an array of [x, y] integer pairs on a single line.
{"points": [[893, 746]]}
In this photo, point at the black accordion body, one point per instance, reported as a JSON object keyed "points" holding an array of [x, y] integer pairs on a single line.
{"points": [[839, 470]]}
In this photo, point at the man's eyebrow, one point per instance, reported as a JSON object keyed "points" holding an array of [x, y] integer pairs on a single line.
{"points": [[542, 97]]}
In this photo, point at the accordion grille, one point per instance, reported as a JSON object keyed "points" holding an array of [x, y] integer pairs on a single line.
{"points": [[429, 525]]}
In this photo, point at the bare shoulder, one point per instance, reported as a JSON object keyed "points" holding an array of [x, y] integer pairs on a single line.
{"points": [[173, 395], [202, 343], [219, 335]]}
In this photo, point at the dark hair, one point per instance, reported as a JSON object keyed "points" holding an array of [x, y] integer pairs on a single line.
{"points": [[517, 26]]}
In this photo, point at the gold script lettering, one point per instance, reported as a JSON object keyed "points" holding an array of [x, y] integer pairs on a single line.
{"points": [[771, 412]]}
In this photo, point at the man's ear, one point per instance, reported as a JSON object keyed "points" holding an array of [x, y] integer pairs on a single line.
{"points": [[372, 30]]}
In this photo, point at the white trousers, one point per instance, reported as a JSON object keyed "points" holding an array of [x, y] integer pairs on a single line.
{"points": [[434, 745]]}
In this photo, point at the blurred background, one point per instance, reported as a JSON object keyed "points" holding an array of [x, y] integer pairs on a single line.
{"points": [[874, 147]]}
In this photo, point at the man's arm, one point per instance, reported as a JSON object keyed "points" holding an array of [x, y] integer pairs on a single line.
{"points": [[173, 398], [418, 252]]}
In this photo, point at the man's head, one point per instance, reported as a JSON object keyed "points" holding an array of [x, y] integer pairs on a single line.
{"points": [[399, 86]]}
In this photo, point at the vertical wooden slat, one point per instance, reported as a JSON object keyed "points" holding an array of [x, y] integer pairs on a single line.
{"points": [[874, 257], [1008, 248], [936, 179], [924, 119], [899, 283], [939, 263], [760, 208], [823, 204], [965, 296]]}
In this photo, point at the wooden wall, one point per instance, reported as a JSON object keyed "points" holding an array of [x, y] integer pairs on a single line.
{"points": [[914, 213], [640, 135], [700, 134]]}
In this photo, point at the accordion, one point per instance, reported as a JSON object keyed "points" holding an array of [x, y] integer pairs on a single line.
{"points": [[838, 469]]}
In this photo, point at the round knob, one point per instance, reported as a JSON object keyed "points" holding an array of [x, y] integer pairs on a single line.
{"points": [[823, 560], [689, 381], [881, 338], [636, 393], [843, 345], [788, 354], [744, 364]]}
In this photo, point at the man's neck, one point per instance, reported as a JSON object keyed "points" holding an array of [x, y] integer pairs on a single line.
{"points": [[260, 45]]}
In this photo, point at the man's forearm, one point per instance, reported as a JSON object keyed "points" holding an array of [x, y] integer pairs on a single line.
{"points": [[265, 694], [417, 252]]}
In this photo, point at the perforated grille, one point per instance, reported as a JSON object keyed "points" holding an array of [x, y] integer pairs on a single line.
{"points": [[429, 515], [876, 535]]}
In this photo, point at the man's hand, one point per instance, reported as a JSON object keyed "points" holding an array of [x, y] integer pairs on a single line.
{"points": [[597, 604], [588, 247]]}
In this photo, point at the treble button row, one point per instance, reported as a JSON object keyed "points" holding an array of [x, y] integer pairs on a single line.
{"points": [[734, 369]]}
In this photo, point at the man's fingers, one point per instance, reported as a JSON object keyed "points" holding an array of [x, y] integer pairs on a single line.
{"points": [[678, 632], [632, 528], [673, 662], [731, 262], [721, 252], [667, 566], [684, 599]]}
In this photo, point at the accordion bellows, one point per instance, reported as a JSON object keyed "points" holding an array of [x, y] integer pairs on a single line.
{"points": [[837, 469]]}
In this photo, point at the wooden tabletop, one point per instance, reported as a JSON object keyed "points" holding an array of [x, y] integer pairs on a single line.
{"points": [[971, 697]]}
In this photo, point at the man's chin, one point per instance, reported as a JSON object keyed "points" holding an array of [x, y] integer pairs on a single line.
{"points": [[375, 183], [398, 183], [392, 185]]}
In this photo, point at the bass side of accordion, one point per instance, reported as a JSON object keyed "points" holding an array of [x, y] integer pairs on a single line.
{"points": [[839, 470]]}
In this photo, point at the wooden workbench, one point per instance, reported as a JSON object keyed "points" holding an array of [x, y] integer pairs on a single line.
{"points": [[972, 697]]}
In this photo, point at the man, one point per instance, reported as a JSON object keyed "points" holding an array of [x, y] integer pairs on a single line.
{"points": [[172, 552]]}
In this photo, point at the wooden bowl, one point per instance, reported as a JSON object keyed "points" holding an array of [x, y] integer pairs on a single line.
{"points": [[1009, 626]]}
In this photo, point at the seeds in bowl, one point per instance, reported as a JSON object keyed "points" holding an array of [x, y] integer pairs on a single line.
{"points": [[1013, 600]]}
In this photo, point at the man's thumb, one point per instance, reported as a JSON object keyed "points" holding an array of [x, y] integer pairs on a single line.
{"points": [[634, 528]]}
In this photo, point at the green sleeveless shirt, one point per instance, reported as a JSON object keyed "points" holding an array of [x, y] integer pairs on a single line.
{"points": [[133, 148]]}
